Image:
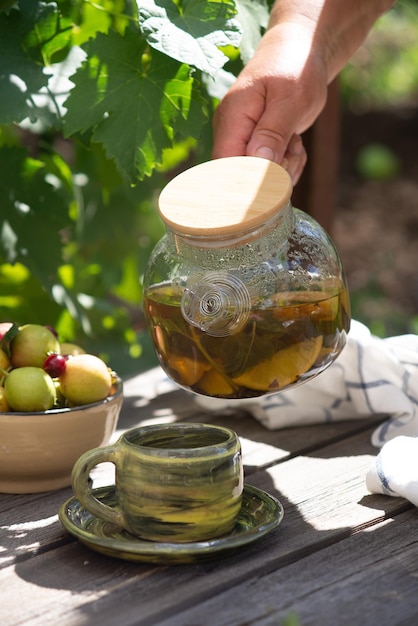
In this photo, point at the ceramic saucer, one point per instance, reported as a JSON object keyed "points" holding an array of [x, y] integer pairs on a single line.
{"points": [[260, 513]]}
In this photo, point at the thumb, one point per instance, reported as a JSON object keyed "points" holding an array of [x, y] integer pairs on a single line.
{"points": [[286, 148], [273, 132]]}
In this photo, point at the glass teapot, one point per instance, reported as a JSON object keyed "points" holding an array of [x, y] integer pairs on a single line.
{"points": [[244, 295]]}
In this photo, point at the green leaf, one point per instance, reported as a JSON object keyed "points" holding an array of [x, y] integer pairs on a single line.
{"points": [[101, 16], [192, 31], [34, 215], [253, 17], [94, 19], [21, 75], [30, 36], [48, 30], [132, 100]]}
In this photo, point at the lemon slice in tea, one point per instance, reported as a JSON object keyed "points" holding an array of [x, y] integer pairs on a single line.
{"points": [[189, 370], [213, 383], [316, 305], [283, 368]]}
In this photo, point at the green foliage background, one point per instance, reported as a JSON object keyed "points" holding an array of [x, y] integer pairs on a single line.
{"points": [[384, 71], [101, 104]]}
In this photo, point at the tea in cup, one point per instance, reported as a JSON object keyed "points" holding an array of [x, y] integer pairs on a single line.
{"points": [[178, 482]]}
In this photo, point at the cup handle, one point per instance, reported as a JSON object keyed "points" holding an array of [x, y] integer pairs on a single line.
{"points": [[82, 490]]}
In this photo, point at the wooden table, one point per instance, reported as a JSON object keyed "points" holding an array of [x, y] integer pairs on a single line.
{"points": [[340, 556]]}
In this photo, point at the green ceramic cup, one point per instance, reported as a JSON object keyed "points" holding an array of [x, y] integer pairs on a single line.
{"points": [[174, 482]]}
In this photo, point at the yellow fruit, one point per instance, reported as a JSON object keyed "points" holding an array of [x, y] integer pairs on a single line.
{"points": [[4, 406], [71, 348], [4, 360], [189, 370], [283, 368], [86, 379], [214, 384]]}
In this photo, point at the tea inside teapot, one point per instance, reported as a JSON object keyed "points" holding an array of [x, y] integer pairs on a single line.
{"points": [[244, 295]]}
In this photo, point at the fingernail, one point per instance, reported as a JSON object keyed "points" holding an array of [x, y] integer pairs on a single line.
{"points": [[265, 153]]}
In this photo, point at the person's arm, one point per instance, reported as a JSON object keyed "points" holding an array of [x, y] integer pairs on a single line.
{"points": [[283, 88]]}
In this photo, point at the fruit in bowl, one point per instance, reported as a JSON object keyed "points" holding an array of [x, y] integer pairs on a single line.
{"points": [[38, 375], [53, 407]]}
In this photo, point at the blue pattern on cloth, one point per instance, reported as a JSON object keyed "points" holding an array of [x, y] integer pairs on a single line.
{"points": [[394, 472]]}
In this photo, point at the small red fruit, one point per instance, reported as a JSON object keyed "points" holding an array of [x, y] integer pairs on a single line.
{"points": [[55, 364]]}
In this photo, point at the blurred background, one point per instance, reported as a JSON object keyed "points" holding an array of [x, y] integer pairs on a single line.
{"points": [[376, 220]]}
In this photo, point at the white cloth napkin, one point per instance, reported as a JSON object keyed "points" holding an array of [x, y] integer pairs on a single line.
{"points": [[371, 376], [394, 472]]}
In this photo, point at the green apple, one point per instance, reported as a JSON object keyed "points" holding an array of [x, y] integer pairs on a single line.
{"points": [[31, 346], [86, 379], [29, 389]]}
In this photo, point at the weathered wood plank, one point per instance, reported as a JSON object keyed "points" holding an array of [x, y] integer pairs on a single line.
{"points": [[324, 503], [323, 493], [346, 583], [262, 447]]}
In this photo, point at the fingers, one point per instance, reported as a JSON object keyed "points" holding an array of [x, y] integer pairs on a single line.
{"points": [[235, 120], [265, 118], [236, 135], [276, 97], [295, 158], [253, 119]]}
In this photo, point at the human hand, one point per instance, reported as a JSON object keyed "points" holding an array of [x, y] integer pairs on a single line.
{"points": [[277, 96], [283, 88]]}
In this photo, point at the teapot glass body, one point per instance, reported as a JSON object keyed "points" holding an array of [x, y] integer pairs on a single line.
{"points": [[250, 312]]}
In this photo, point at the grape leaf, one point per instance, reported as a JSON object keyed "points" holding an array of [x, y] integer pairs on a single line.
{"points": [[48, 30], [21, 77], [133, 101], [34, 214], [29, 37], [192, 33], [253, 16]]}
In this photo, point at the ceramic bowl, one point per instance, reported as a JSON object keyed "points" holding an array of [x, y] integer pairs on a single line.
{"points": [[38, 450]]}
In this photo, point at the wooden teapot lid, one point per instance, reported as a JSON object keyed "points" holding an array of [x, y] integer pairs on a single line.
{"points": [[225, 196]]}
